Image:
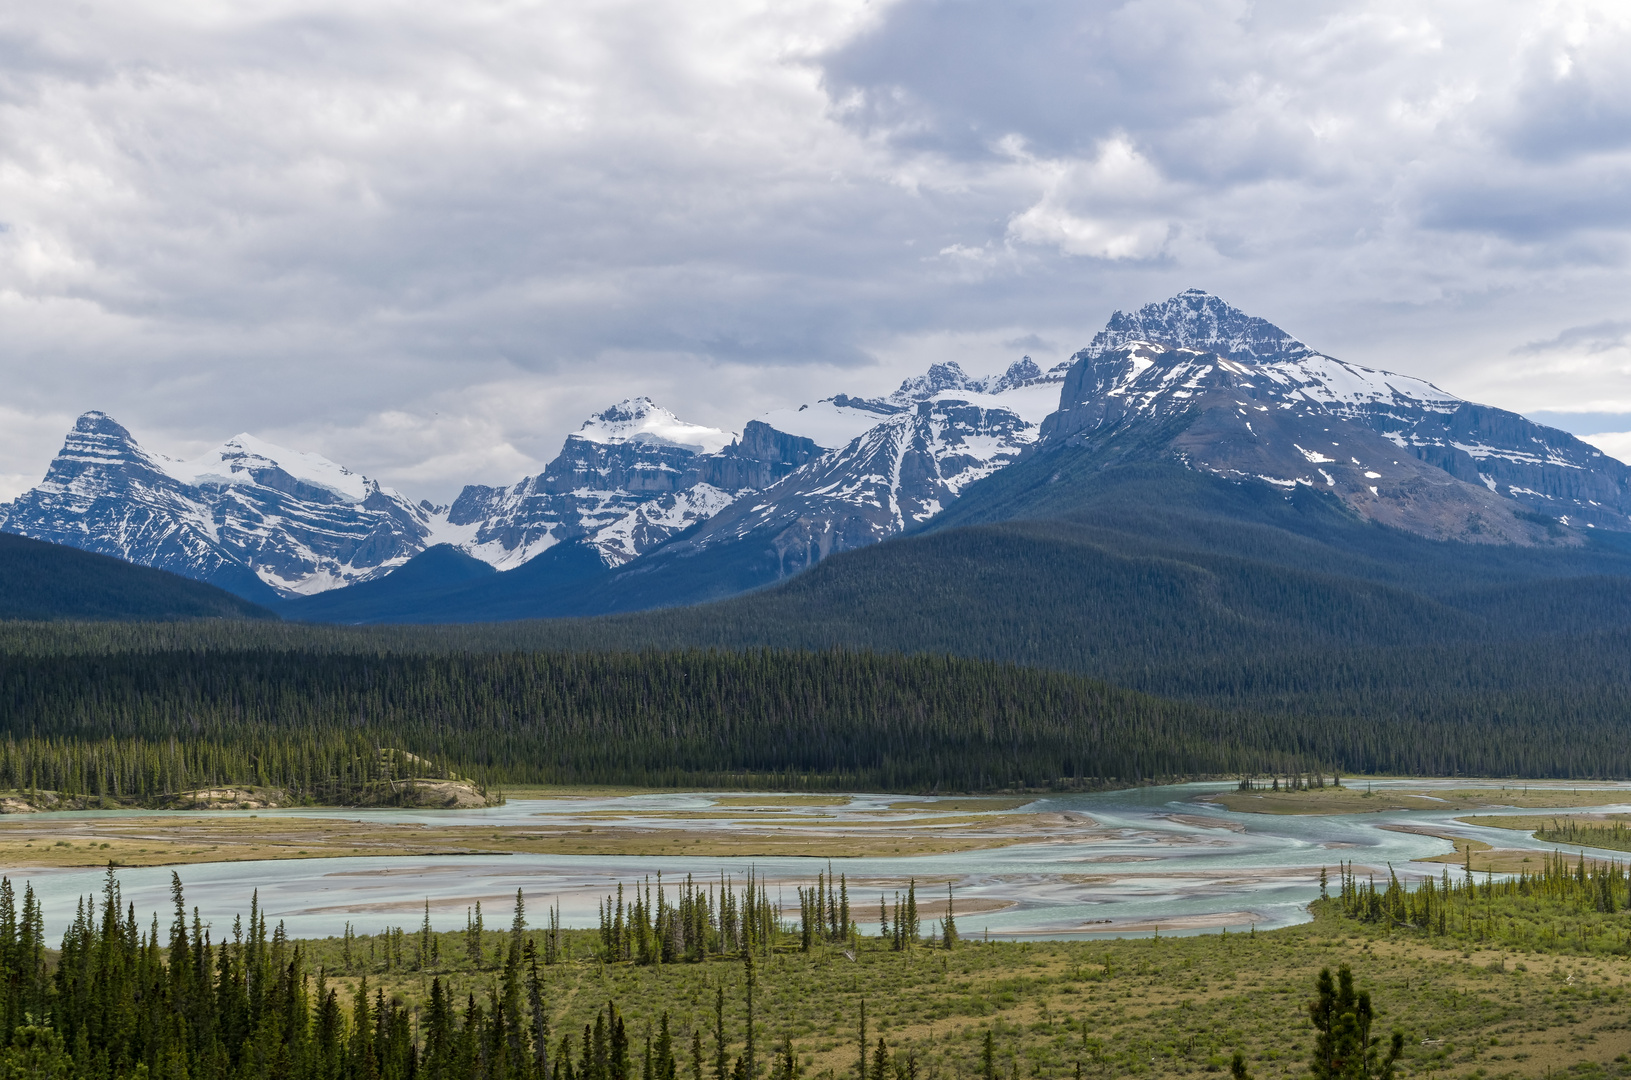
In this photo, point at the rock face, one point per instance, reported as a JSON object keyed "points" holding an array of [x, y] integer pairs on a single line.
{"points": [[631, 478], [803, 483], [1241, 398], [249, 516], [898, 474], [1196, 319], [1190, 378]]}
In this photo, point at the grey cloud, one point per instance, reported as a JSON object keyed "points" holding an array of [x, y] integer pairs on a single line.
{"points": [[1598, 337], [1032, 343], [1215, 91], [427, 238], [1527, 204], [1575, 96]]}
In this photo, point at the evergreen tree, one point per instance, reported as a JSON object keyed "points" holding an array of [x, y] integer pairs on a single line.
{"points": [[1343, 1046], [721, 1057]]}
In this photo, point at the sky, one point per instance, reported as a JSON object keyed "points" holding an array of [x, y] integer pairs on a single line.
{"points": [[426, 239]]}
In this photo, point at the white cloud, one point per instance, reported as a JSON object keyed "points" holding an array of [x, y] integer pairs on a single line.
{"points": [[1613, 443], [1093, 207], [424, 239]]}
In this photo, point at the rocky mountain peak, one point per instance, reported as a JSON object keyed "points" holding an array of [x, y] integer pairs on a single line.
{"points": [[639, 419], [939, 378], [1020, 372], [95, 422], [1196, 319], [253, 517], [949, 377]]}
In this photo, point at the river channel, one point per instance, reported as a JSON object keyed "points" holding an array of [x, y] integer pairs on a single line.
{"points": [[1149, 860]]}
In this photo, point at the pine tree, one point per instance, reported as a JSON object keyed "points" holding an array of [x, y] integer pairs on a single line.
{"points": [[721, 1058], [747, 1053], [518, 925], [861, 1067], [426, 941]]}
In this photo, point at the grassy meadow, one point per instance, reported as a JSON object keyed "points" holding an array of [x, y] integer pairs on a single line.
{"points": [[1156, 1007]]}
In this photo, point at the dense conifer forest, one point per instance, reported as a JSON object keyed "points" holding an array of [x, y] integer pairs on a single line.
{"points": [[142, 710], [53, 581], [145, 723]]}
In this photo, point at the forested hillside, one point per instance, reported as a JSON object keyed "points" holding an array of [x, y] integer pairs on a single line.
{"points": [[829, 719], [49, 581], [1233, 630], [141, 711]]}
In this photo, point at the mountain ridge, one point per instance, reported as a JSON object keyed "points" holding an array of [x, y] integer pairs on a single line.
{"points": [[680, 513]]}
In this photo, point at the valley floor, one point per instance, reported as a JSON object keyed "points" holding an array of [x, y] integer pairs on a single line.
{"points": [[742, 826], [1162, 1007], [613, 822]]}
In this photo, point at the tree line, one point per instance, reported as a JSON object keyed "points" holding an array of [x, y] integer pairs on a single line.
{"points": [[1557, 905], [148, 709], [146, 723], [125, 1001]]}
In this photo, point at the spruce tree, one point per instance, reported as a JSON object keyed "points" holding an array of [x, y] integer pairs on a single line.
{"points": [[861, 1067], [721, 1058]]}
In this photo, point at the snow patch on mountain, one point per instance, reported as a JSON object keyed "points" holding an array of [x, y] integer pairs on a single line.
{"points": [[1332, 382], [1196, 319], [1032, 402], [247, 516], [243, 458], [640, 419], [826, 422], [833, 422]]}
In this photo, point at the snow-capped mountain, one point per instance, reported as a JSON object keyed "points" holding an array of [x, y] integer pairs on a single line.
{"points": [[248, 516], [897, 474], [910, 455], [635, 476], [1195, 319], [630, 478], [832, 422], [1190, 379], [1241, 398]]}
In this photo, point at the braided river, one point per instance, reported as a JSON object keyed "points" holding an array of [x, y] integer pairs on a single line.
{"points": [[1134, 862]]}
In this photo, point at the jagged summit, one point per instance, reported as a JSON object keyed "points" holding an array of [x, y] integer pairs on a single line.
{"points": [[1189, 381], [253, 517], [96, 422], [950, 377], [836, 421], [639, 419], [1195, 319]]}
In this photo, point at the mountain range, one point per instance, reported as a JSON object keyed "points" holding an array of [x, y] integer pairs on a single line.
{"points": [[641, 509]]}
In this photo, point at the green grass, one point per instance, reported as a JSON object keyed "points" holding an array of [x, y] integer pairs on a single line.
{"points": [[1163, 1007]]}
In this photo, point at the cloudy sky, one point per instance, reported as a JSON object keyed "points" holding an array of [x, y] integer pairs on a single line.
{"points": [[426, 238]]}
